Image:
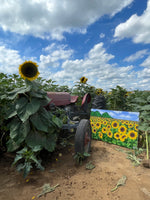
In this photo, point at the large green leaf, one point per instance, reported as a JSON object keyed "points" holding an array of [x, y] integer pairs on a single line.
{"points": [[35, 139], [33, 106], [45, 141], [50, 142], [21, 102], [11, 95], [57, 121], [11, 145], [20, 133], [39, 123], [28, 109], [14, 124]]}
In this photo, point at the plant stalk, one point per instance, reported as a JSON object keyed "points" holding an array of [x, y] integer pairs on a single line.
{"points": [[147, 147]]}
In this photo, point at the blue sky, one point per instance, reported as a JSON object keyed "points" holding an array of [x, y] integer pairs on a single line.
{"points": [[106, 41], [124, 115]]}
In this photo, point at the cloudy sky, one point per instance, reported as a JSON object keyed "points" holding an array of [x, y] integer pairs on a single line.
{"points": [[131, 116], [106, 41]]}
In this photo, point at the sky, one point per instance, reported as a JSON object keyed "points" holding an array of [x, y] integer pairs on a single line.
{"points": [[106, 41], [124, 115]]}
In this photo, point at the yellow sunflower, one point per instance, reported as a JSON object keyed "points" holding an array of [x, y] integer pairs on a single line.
{"points": [[123, 137], [100, 135], [83, 79], [122, 129], [93, 130], [29, 70], [117, 136], [136, 127], [105, 122], [98, 125], [115, 124], [99, 91], [104, 130], [132, 134], [108, 126], [130, 125], [109, 134]]}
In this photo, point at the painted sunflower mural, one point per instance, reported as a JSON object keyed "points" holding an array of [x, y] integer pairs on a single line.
{"points": [[116, 127]]}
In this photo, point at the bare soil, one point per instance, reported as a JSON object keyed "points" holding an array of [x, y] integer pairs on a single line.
{"points": [[76, 182]]}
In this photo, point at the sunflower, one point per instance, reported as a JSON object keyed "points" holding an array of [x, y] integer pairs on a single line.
{"points": [[115, 124], [117, 136], [108, 126], [83, 79], [109, 134], [93, 130], [98, 125], [132, 134], [136, 127], [100, 135], [104, 130], [122, 129], [105, 122], [130, 125], [123, 137], [29, 70], [99, 91]]}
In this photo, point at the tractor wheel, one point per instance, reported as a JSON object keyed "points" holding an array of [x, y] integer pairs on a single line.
{"points": [[83, 137]]}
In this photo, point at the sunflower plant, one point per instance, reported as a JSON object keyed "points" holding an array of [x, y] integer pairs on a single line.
{"points": [[30, 124], [81, 88]]}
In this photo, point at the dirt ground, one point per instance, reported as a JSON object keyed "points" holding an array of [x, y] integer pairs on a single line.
{"points": [[77, 182]]}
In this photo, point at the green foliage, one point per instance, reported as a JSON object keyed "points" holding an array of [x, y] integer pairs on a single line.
{"points": [[80, 89], [79, 157], [30, 124], [7, 83], [28, 156], [50, 86], [117, 99]]}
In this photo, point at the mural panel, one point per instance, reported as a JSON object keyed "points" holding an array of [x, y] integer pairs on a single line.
{"points": [[116, 127]]}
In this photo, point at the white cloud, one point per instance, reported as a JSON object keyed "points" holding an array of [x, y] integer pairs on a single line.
{"points": [[42, 18], [138, 55], [102, 35], [54, 54], [95, 66], [136, 27], [9, 60], [146, 62]]}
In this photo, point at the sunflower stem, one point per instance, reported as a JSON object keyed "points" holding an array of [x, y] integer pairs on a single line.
{"points": [[147, 148]]}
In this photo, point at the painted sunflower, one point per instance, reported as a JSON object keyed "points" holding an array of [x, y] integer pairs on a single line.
{"points": [[100, 135], [115, 124], [29, 70], [98, 125], [130, 125], [132, 134], [122, 129], [104, 130], [109, 134], [93, 130], [136, 127], [123, 137], [117, 136], [83, 79]]}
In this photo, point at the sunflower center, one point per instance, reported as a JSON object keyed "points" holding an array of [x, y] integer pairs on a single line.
{"points": [[29, 70], [115, 125], [122, 129], [132, 134]]}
